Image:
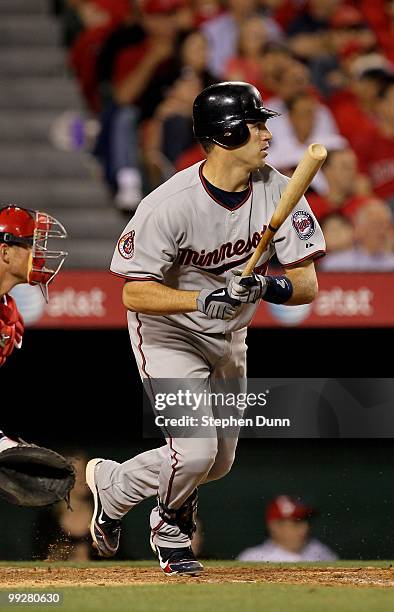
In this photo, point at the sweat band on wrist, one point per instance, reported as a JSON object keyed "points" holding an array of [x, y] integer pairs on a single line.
{"points": [[278, 289]]}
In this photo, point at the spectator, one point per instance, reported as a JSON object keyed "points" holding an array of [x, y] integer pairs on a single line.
{"points": [[283, 12], [293, 80], [309, 32], [247, 64], [295, 51], [378, 160], [205, 10], [322, 34], [303, 120], [170, 132], [94, 21], [141, 75], [287, 521], [354, 107], [275, 60], [346, 190], [338, 232], [222, 32], [373, 232], [348, 27], [349, 37], [380, 16]]}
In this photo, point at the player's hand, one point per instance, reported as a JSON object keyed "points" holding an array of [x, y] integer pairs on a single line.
{"points": [[7, 340], [217, 304], [246, 289]]}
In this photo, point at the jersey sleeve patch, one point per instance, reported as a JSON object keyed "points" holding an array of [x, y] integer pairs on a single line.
{"points": [[126, 245], [303, 224]]}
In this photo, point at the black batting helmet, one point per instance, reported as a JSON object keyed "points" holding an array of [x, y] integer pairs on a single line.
{"points": [[221, 111]]}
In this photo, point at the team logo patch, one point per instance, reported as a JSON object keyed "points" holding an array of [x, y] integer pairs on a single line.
{"points": [[126, 245], [303, 224]]}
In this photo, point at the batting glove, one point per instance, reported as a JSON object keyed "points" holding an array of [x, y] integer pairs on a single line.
{"points": [[217, 304], [247, 289]]}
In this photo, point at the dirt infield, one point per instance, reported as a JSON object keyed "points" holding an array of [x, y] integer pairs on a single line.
{"points": [[40, 577]]}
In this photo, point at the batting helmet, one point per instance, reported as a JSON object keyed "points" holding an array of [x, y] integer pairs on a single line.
{"points": [[33, 228], [221, 112]]}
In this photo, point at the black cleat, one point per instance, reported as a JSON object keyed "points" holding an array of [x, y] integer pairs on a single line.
{"points": [[104, 530], [177, 560]]}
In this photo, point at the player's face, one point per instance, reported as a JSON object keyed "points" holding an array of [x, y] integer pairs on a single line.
{"points": [[289, 533], [253, 153], [16, 259]]}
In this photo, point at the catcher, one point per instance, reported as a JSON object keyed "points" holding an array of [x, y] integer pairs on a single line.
{"points": [[29, 475], [24, 257]]}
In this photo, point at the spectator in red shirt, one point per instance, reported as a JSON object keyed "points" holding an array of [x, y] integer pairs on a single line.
{"points": [[93, 23], [375, 150], [354, 107], [346, 190], [380, 16]]}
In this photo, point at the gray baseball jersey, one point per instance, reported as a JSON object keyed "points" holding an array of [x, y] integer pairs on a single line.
{"points": [[182, 237]]}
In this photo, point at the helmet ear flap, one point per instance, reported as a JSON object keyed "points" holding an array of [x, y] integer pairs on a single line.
{"points": [[234, 134]]}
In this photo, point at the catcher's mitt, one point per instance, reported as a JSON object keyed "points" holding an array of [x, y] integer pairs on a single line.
{"points": [[34, 476]]}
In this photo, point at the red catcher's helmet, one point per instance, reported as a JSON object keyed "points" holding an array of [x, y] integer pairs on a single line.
{"points": [[34, 228], [16, 225]]}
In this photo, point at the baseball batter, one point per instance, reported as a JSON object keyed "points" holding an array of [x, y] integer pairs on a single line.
{"points": [[24, 256], [188, 308]]}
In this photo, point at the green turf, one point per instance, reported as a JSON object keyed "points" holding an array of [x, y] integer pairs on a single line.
{"points": [[203, 597], [226, 598]]}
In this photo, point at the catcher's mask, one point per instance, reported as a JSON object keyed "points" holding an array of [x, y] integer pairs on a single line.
{"points": [[34, 229]]}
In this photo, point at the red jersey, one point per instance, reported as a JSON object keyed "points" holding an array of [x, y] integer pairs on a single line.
{"points": [[351, 120], [376, 158], [128, 60], [322, 207]]}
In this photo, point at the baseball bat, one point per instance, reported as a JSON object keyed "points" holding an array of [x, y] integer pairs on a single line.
{"points": [[296, 187]]}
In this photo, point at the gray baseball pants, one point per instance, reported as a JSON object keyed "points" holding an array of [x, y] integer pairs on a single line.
{"points": [[174, 470]]}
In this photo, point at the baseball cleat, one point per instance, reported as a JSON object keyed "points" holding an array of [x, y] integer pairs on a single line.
{"points": [[105, 531], [177, 560]]}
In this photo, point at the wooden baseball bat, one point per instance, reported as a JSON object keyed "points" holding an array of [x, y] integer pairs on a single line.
{"points": [[296, 187]]}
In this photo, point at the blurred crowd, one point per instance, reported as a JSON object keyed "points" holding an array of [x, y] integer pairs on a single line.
{"points": [[326, 65]]}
